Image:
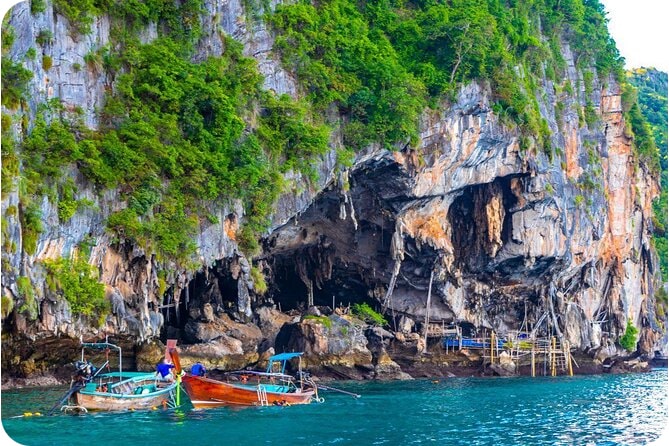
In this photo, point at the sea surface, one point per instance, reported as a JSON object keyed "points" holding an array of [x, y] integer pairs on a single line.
{"points": [[628, 409]]}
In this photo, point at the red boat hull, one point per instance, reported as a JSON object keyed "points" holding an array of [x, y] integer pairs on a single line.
{"points": [[204, 392]]}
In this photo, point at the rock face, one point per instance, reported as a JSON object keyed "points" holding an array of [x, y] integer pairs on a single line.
{"points": [[503, 230], [514, 239]]}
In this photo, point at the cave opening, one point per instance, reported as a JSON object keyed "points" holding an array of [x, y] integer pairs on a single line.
{"points": [[289, 292], [217, 287], [481, 222]]}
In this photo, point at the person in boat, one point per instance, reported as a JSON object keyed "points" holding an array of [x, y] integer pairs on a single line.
{"points": [[164, 369], [198, 369], [85, 371]]}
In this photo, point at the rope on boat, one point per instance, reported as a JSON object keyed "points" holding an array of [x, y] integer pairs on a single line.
{"points": [[354, 395], [75, 388]]}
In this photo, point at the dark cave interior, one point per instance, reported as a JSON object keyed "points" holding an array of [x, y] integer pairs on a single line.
{"points": [[468, 220]]}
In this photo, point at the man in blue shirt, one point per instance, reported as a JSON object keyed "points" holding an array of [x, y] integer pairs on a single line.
{"points": [[198, 369], [164, 369]]}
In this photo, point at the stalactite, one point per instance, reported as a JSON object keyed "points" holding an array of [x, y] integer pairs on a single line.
{"points": [[350, 202], [397, 253], [345, 191], [551, 295], [391, 285], [310, 294]]}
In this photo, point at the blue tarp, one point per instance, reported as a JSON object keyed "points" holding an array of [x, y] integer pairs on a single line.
{"points": [[471, 343]]}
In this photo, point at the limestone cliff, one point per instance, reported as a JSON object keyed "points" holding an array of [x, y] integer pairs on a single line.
{"points": [[514, 238]]}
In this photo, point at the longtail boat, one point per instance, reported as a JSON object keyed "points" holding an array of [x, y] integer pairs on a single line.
{"points": [[114, 391], [252, 388]]}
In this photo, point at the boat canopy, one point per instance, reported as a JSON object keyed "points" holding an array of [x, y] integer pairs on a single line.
{"points": [[283, 358]]}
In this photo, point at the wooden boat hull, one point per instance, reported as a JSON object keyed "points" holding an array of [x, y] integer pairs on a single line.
{"points": [[123, 402], [139, 391], [205, 392]]}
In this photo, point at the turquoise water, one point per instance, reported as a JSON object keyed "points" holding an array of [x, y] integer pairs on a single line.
{"points": [[603, 410]]}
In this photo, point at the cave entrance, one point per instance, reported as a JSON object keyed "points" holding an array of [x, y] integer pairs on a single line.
{"points": [[217, 287], [480, 220], [343, 287]]}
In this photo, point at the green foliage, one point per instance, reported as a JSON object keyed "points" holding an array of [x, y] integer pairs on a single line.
{"points": [[339, 58], [31, 53], [6, 241], [37, 6], [79, 13], [247, 241], [661, 295], [15, 80], [367, 314], [67, 204], [77, 282], [44, 37], [578, 200], [175, 133], [345, 157], [628, 340], [162, 287], [651, 90], [259, 283], [27, 294], [358, 55], [86, 246], [255, 8], [31, 226], [10, 161], [644, 142], [323, 320], [93, 60], [172, 230], [8, 36], [46, 151], [47, 62], [288, 136], [6, 305], [592, 40], [178, 133]]}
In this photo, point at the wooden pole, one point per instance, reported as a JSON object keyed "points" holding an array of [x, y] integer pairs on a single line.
{"points": [[534, 372], [568, 356], [492, 351], [553, 371], [427, 308]]}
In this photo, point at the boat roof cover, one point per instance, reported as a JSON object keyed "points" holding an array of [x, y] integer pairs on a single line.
{"points": [[285, 356]]}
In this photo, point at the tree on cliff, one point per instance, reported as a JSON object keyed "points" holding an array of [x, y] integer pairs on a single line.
{"points": [[628, 340]]}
